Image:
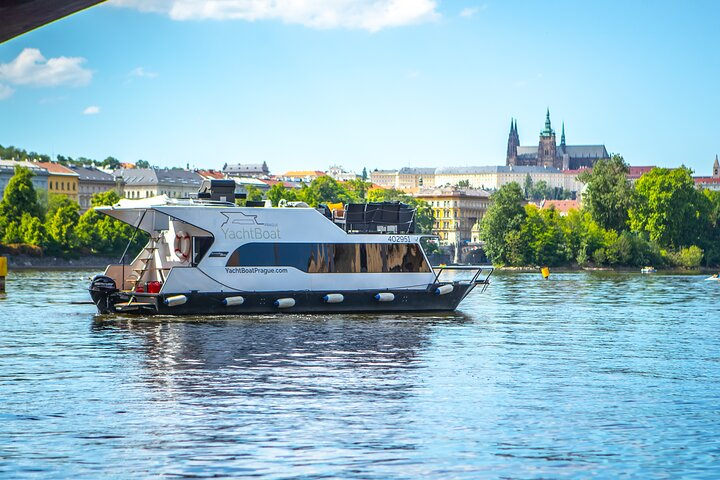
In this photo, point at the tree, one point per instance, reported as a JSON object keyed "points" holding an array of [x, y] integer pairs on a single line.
{"points": [[142, 164], [55, 202], [278, 192], [111, 163], [608, 195], [19, 197], [463, 183], [253, 194], [357, 189], [528, 186], [540, 191], [504, 216], [670, 209], [108, 199], [61, 228]]}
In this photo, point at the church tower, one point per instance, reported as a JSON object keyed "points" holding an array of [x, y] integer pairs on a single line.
{"points": [[547, 146], [716, 168], [513, 144]]}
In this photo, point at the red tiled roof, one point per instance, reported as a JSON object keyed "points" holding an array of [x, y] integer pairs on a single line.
{"points": [[56, 168], [705, 180], [211, 174], [562, 206], [637, 172]]}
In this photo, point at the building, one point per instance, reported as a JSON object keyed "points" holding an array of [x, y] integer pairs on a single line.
{"points": [[712, 182], [384, 178], [407, 178], [492, 178], [61, 180], [91, 181], [548, 153], [456, 211], [338, 173], [149, 182], [253, 170], [305, 176], [7, 170]]}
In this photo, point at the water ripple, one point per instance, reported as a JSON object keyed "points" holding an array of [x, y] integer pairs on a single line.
{"points": [[587, 374]]}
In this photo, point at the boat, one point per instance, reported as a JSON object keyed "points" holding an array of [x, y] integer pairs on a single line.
{"points": [[207, 255], [648, 270], [714, 277]]}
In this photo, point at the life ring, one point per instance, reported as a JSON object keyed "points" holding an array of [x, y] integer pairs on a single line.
{"points": [[182, 245]]}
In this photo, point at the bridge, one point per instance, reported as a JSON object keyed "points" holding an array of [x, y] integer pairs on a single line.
{"points": [[21, 16]]}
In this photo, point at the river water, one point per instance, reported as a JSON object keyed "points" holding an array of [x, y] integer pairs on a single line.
{"points": [[586, 374]]}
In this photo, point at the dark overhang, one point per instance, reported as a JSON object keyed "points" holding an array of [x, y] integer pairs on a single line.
{"points": [[20, 16]]}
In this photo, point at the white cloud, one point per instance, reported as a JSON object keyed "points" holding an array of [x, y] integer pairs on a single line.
{"points": [[141, 72], [32, 69], [471, 11], [371, 15], [91, 110], [5, 91]]}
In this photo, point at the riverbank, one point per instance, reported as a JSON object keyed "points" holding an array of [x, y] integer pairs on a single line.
{"points": [[577, 268], [28, 262]]}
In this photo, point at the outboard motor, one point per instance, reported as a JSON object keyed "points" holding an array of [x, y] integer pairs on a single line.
{"points": [[101, 289]]}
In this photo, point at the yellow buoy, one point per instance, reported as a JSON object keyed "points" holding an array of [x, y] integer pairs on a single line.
{"points": [[545, 272], [3, 273]]}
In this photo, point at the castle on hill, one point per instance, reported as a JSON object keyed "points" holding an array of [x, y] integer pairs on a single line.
{"points": [[548, 153]]}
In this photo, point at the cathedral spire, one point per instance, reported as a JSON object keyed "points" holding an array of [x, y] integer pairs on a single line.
{"points": [[716, 167], [562, 137], [548, 127]]}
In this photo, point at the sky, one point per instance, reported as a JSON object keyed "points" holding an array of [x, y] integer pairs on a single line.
{"points": [[305, 84]]}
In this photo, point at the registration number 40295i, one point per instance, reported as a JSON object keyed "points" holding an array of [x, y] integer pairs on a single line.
{"points": [[399, 238]]}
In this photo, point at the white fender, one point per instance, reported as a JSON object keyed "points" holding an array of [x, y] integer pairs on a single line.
{"points": [[175, 300], [442, 290], [385, 297], [285, 302], [230, 301], [333, 298]]}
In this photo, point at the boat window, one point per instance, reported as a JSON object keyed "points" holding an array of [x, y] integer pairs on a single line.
{"points": [[332, 257]]}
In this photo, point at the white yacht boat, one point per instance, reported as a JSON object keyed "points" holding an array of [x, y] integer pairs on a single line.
{"points": [[208, 256]]}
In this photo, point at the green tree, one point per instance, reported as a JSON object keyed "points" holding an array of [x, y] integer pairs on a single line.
{"points": [[357, 190], [504, 216], [32, 230], [253, 194], [61, 228], [608, 194], [142, 164], [55, 202], [19, 197], [528, 186], [670, 209], [111, 162], [464, 183], [104, 199], [278, 192]]}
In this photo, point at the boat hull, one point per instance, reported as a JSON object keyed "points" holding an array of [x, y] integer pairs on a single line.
{"points": [[270, 302]]}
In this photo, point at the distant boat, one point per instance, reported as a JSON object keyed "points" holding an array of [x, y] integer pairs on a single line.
{"points": [[648, 270], [714, 277]]}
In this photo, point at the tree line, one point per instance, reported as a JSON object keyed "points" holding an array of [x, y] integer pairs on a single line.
{"points": [[33, 222], [661, 220], [30, 224]]}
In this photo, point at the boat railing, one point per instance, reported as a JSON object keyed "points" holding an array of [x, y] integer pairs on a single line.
{"points": [[480, 274]]}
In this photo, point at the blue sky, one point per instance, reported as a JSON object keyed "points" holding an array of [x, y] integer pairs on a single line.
{"points": [[376, 84]]}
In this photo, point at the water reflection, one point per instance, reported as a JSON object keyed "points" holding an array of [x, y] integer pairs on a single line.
{"points": [[278, 355]]}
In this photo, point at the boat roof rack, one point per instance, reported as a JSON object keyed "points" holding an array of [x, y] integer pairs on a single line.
{"points": [[378, 217]]}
